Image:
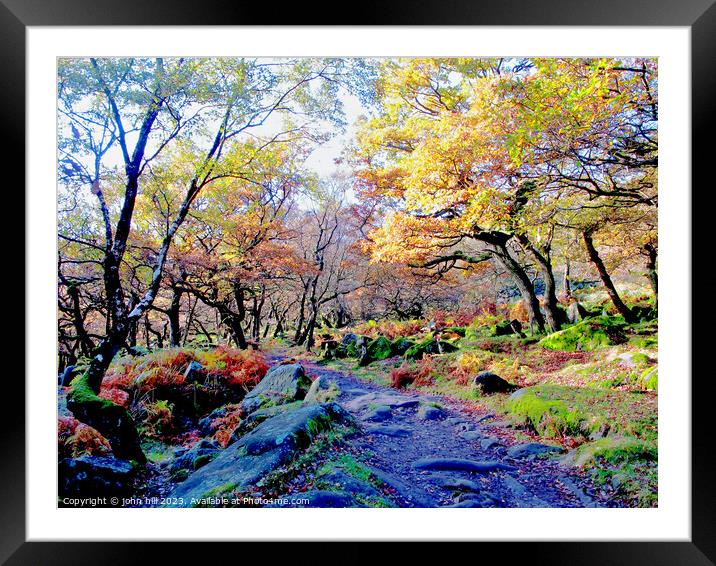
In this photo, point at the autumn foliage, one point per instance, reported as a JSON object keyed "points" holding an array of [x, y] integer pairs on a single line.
{"points": [[76, 439]]}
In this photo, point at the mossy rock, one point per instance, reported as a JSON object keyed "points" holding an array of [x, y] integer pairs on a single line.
{"points": [[459, 330], [590, 334], [419, 350], [614, 450], [380, 349], [650, 379], [401, 345], [353, 347], [547, 417]]}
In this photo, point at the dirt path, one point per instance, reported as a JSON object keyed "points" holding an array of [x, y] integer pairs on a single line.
{"points": [[431, 454]]}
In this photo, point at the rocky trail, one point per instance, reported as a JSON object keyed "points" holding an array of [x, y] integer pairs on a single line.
{"points": [[425, 452]]}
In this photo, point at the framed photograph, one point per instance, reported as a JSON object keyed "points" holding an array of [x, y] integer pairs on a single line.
{"points": [[410, 279]]}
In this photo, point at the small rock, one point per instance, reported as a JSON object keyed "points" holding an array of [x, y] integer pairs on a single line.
{"points": [[472, 435], [430, 413], [379, 414], [490, 383], [396, 431], [533, 449]]}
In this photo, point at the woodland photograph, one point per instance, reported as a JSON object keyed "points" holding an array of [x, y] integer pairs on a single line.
{"points": [[357, 282]]}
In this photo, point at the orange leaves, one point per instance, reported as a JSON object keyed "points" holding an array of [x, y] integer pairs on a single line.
{"points": [[76, 439], [243, 368], [225, 425], [406, 374]]}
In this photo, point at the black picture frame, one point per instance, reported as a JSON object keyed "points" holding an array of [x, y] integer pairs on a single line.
{"points": [[699, 15]]}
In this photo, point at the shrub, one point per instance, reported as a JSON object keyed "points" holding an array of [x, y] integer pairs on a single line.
{"points": [[76, 439], [244, 368], [419, 374], [157, 419], [467, 365], [519, 312], [225, 425]]}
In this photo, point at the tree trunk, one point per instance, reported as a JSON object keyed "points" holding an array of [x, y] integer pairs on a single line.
{"points": [[552, 313], [173, 316], [566, 282], [622, 309], [301, 315], [527, 291], [651, 269], [83, 339]]}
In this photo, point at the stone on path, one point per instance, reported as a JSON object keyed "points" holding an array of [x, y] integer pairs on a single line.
{"points": [[388, 430], [430, 413]]}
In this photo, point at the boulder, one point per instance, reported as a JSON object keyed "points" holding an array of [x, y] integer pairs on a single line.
{"points": [[378, 414], [419, 350], [490, 383], [254, 419], [587, 335], [282, 384], [206, 424], [349, 339], [95, 476], [401, 345], [634, 359], [321, 390], [507, 328], [380, 349], [273, 443]]}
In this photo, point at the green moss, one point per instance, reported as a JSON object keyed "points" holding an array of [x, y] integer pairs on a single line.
{"points": [[587, 335], [615, 450], [650, 379], [82, 394], [380, 348], [429, 346], [627, 464], [401, 345], [203, 460], [547, 417]]}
